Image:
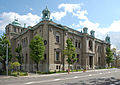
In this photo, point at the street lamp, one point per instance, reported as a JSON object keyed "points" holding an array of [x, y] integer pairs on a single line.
{"points": [[6, 57]]}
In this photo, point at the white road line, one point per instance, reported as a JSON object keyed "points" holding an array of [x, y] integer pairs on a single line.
{"points": [[89, 75], [100, 73], [56, 79], [75, 77], [29, 83]]}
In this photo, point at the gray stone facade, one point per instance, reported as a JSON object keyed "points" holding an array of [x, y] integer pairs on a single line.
{"points": [[90, 50]]}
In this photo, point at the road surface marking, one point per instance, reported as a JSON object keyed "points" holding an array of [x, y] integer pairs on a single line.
{"points": [[29, 83], [89, 75], [76, 77], [56, 79], [101, 73]]}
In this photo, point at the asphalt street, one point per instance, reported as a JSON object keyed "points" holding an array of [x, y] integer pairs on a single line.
{"points": [[93, 77]]}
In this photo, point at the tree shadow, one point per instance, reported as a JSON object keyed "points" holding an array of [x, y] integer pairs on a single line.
{"points": [[97, 81]]}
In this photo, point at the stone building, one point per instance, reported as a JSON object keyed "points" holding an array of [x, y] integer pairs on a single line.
{"points": [[90, 50]]}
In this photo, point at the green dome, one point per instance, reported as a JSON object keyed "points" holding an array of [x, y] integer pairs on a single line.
{"points": [[92, 32], [15, 22], [85, 30], [46, 14]]}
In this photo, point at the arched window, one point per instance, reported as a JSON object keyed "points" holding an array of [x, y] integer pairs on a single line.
{"points": [[57, 37], [90, 45]]}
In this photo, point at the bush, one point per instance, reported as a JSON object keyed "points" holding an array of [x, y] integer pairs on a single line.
{"points": [[15, 65], [113, 67], [15, 74]]}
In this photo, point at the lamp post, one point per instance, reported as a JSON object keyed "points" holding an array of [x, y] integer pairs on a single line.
{"points": [[6, 57]]}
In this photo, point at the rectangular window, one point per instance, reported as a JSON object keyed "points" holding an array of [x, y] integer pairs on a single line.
{"points": [[57, 39], [57, 56], [45, 56], [77, 57], [26, 58], [14, 29], [78, 45], [57, 67]]}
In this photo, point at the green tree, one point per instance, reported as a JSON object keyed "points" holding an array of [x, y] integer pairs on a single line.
{"points": [[37, 49], [15, 65], [70, 51], [109, 56], [18, 50], [3, 42]]}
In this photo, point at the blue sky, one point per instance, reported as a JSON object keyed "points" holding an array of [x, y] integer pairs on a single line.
{"points": [[103, 16]]}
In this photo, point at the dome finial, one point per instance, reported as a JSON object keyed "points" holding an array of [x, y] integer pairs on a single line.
{"points": [[46, 7]]}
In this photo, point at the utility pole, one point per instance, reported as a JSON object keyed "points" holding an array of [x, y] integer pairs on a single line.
{"points": [[7, 59]]}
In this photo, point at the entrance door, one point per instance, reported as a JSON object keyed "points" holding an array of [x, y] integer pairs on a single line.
{"points": [[90, 61]]}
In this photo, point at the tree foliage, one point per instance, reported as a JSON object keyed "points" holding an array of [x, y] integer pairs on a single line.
{"points": [[70, 51], [18, 50], [3, 42], [109, 56], [15, 65], [37, 49]]}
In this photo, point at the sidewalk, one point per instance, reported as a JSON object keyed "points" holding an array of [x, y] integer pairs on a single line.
{"points": [[35, 75], [4, 77], [42, 75]]}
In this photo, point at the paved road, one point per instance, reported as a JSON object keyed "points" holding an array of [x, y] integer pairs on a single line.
{"points": [[96, 77]]}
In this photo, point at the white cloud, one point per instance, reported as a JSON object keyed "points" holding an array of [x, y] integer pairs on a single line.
{"points": [[8, 17], [81, 14], [68, 8], [58, 15]]}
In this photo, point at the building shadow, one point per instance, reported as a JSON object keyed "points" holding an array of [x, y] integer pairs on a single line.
{"points": [[97, 81]]}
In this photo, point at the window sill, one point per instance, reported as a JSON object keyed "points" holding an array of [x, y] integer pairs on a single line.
{"points": [[57, 62]]}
